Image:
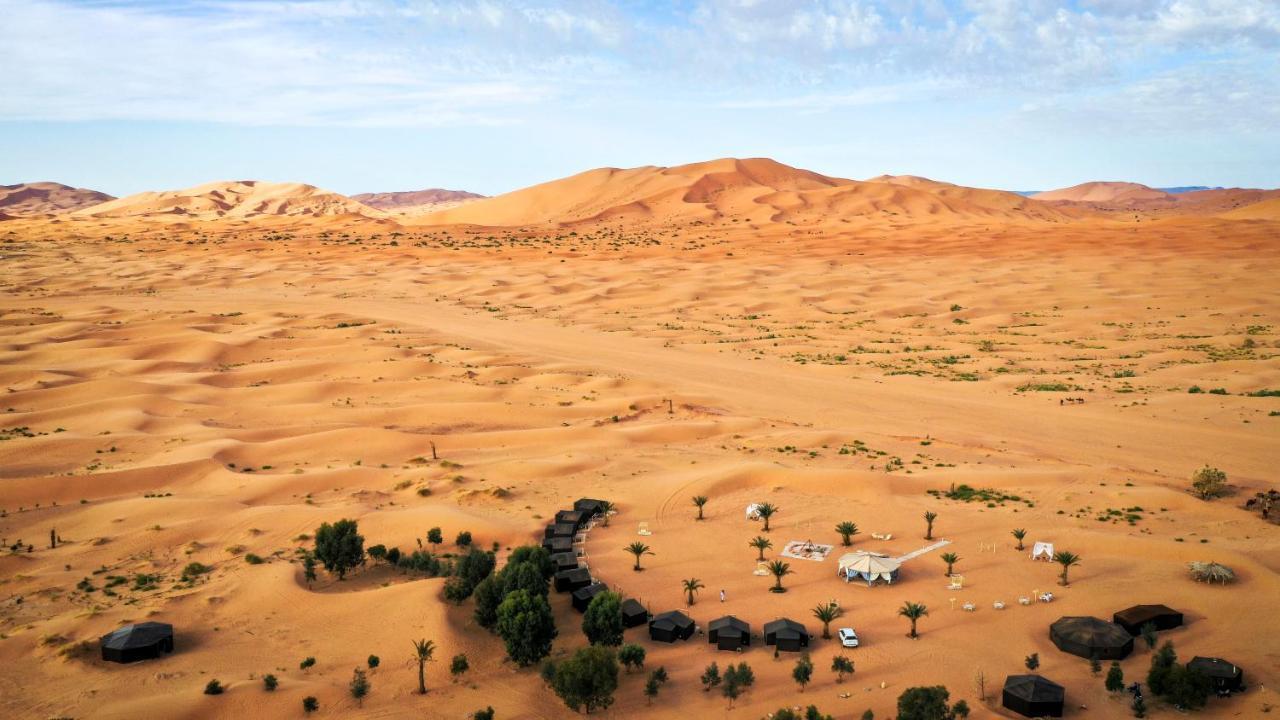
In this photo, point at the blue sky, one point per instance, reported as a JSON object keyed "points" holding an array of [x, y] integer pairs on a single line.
{"points": [[372, 95]]}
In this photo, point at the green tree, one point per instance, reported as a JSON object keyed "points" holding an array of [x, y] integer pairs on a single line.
{"points": [[213, 687], [468, 572], [826, 613], [710, 677], [638, 548], [737, 679], [488, 596], [602, 622], [1032, 661], [1162, 664], [339, 547], [588, 679], [691, 588], [270, 683], [654, 683], [1067, 560], [778, 570], [1149, 635], [309, 568], [924, 703], [359, 686], [761, 543], [306, 663], [374, 661], [435, 536], [485, 714], [377, 552], [310, 704], [802, 673], [631, 656], [1115, 677], [423, 652], [1187, 688], [527, 626], [535, 554], [1020, 534], [766, 511], [841, 666], [929, 517], [700, 501], [1209, 482], [458, 666], [950, 559], [847, 530], [913, 612], [524, 576]]}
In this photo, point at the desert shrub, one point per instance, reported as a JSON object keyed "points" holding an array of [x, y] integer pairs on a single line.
{"points": [[213, 687], [1209, 482], [269, 682]]}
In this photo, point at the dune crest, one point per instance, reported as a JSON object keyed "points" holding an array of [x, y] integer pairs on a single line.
{"points": [[46, 198], [1104, 192], [243, 199]]}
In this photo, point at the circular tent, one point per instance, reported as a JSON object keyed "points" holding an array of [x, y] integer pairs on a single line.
{"points": [[1226, 677], [132, 643], [867, 566], [671, 626], [1162, 617], [729, 633], [1033, 696], [1091, 637]]}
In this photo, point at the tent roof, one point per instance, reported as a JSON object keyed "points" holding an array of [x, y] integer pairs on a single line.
{"points": [[671, 618], [1090, 631], [868, 562], [1034, 688], [1214, 667], [1145, 612], [136, 636], [784, 625], [729, 622], [632, 606]]}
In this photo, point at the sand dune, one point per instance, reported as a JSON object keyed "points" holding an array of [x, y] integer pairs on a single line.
{"points": [[1104, 192], [242, 200], [406, 200], [46, 198]]}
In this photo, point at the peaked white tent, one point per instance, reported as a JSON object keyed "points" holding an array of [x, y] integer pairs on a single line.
{"points": [[753, 511], [1042, 549], [867, 566]]}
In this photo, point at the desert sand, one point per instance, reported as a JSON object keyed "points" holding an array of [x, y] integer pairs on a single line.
{"points": [[210, 374]]}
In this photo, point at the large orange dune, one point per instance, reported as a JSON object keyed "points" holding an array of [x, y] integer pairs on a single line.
{"points": [[238, 200], [1104, 192], [46, 198]]}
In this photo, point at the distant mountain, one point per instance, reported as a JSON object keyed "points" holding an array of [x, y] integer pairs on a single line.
{"points": [[239, 200], [414, 198], [1103, 192], [46, 198]]}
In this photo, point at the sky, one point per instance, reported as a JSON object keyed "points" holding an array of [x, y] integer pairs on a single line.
{"points": [[374, 95]]}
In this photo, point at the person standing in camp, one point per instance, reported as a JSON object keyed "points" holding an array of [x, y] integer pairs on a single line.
{"points": [[722, 596]]}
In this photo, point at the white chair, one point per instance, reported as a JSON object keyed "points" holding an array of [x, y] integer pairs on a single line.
{"points": [[998, 605], [969, 607], [1024, 600]]}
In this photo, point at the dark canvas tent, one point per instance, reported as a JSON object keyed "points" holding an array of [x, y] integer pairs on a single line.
{"points": [[786, 634], [1162, 616], [558, 545], [1226, 677], [571, 580], [564, 561], [589, 506], [582, 596], [633, 613], [1091, 637], [576, 518], [555, 530], [729, 633], [1033, 696], [670, 626], [132, 643]]}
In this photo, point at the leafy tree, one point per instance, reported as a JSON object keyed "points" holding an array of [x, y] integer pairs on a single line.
{"points": [[710, 677], [929, 517], [1020, 534], [435, 536], [847, 530], [691, 588], [802, 673], [306, 663], [651, 689], [766, 511], [588, 679], [485, 714], [631, 656], [488, 596], [463, 539], [737, 679], [309, 568], [359, 686], [700, 501], [374, 661], [213, 687], [761, 543], [841, 666], [527, 626], [1149, 635], [1187, 688], [535, 554], [778, 570], [960, 710], [377, 552], [913, 612], [638, 548], [826, 613], [868, 715], [310, 704], [926, 703], [1209, 482], [458, 666], [602, 623], [393, 556], [474, 566], [1033, 661], [1067, 560], [270, 683], [524, 576], [1115, 677], [423, 652], [950, 559], [339, 547], [1162, 664]]}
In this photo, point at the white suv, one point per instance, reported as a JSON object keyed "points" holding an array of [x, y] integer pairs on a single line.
{"points": [[848, 637]]}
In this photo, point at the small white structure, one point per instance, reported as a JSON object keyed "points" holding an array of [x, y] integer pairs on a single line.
{"points": [[1042, 550], [753, 511], [868, 566], [644, 529]]}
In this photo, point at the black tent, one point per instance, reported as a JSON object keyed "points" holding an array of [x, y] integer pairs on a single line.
{"points": [[1162, 616], [132, 643], [582, 596], [786, 634], [1091, 637], [577, 518], [572, 580], [1033, 696], [564, 561], [729, 633], [1226, 677], [558, 545], [557, 530], [633, 613], [670, 626], [589, 507]]}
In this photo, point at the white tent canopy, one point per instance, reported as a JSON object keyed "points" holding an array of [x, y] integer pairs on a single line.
{"points": [[753, 511], [1042, 549], [867, 565]]}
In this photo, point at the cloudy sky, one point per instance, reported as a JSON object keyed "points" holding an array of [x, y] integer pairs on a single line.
{"points": [[373, 95]]}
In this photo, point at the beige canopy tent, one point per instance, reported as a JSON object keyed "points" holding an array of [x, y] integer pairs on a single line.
{"points": [[868, 566]]}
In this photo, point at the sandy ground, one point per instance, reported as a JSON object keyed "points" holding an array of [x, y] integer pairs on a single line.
{"points": [[200, 394]]}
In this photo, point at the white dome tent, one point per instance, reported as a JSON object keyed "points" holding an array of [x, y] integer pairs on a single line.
{"points": [[753, 511], [1042, 550], [868, 566]]}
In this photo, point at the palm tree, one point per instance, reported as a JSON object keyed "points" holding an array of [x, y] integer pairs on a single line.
{"points": [[826, 613], [1019, 533], [691, 587], [1066, 560], [847, 530], [950, 559], [761, 543], [606, 507], [699, 500], [423, 650], [766, 511], [929, 517], [913, 612], [779, 570], [638, 549]]}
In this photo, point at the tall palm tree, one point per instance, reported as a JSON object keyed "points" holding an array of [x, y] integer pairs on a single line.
{"points": [[606, 507], [1019, 533], [699, 500], [779, 570], [423, 650], [638, 549], [929, 517], [950, 559], [913, 612], [847, 530], [766, 511], [826, 613], [691, 588], [1066, 560], [761, 543]]}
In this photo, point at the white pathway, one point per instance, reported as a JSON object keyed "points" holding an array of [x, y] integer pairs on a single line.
{"points": [[923, 550]]}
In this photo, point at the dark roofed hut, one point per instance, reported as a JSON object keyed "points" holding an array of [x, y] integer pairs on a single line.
{"points": [[582, 597], [786, 634], [589, 507], [1162, 616], [558, 545], [571, 580], [141, 641], [1033, 696], [633, 613], [671, 626], [555, 530], [729, 633], [564, 561], [577, 518], [1090, 637], [1226, 677]]}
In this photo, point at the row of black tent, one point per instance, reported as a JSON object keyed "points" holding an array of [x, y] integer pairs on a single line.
{"points": [[569, 576], [729, 632], [1091, 637]]}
